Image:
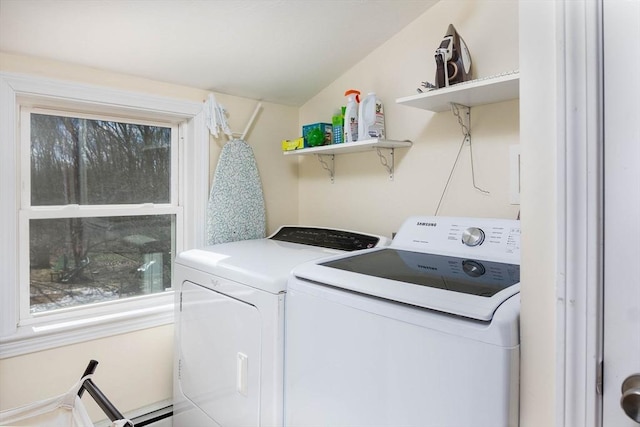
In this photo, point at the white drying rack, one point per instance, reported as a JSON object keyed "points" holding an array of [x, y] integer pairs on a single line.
{"points": [[66, 409]]}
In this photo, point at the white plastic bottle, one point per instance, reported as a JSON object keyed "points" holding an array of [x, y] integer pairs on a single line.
{"points": [[351, 116], [371, 118]]}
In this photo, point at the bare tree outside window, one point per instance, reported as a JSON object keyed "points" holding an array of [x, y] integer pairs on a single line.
{"points": [[83, 257]]}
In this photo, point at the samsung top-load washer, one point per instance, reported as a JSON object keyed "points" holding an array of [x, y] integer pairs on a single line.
{"points": [[229, 324], [424, 332]]}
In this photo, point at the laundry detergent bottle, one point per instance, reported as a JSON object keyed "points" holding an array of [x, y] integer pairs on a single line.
{"points": [[371, 118], [351, 116]]}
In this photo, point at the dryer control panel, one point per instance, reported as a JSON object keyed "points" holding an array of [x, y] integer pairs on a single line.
{"points": [[328, 238]]}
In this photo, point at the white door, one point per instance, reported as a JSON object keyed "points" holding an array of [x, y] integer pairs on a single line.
{"points": [[621, 26]]}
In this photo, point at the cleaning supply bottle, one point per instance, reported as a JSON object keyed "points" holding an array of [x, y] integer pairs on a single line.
{"points": [[371, 118], [351, 116], [337, 123]]}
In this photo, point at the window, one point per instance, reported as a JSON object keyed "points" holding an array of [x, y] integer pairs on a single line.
{"points": [[88, 176], [101, 188]]}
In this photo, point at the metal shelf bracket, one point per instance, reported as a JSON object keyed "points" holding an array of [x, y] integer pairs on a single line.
{"points": [[389, 165], [329, 167]]}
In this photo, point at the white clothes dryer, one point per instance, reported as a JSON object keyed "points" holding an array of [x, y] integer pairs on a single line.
{"points": [[229, 323], [421, 333]]}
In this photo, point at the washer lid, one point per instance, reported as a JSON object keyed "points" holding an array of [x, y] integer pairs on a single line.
{"points": [[462, 286]]}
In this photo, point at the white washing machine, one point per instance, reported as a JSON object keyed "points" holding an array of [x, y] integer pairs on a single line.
{"points": [[424, 332], [229, 324]]}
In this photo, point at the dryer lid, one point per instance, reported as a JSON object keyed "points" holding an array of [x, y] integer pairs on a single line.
{"points": [[266, 263], [262, 264]]}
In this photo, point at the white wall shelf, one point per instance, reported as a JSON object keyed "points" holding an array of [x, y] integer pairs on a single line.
{"points": [[487, 90], [354, 147], [350, 147]]}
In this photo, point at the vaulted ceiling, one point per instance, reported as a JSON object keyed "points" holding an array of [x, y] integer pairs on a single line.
{"points": [[282, 51]]}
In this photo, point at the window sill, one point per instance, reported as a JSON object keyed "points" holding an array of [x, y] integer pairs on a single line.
{"points": [[122, 318]]}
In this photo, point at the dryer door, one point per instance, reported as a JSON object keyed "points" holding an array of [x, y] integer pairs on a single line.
{"points": [[219, 355]]}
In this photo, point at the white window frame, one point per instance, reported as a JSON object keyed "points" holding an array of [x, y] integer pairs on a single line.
{"points": [[29, 212], [69, 326]]}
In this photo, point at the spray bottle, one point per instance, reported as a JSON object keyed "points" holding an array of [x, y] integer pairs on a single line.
{"points": [[371, 118], [351, 116]]}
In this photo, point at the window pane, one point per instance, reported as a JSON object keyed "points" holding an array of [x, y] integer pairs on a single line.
{"points": [[97, 162], [76, 261]]}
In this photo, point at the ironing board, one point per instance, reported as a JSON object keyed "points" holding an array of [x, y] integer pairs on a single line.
{"points": [[236, 204]]}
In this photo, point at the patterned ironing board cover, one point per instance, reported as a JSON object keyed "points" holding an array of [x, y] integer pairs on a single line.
{"points": [[236, 204]]}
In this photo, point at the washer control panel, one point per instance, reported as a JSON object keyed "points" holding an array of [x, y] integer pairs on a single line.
{"points": [[478, 238]]}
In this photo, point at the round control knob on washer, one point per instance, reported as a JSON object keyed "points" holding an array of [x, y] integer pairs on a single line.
{"points": [[473, 268], [473, 236]]}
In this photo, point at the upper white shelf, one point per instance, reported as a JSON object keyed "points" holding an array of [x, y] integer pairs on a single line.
{"points": [[351, 147], [474, 92]]}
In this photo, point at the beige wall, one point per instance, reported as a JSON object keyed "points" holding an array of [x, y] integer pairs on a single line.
{"points": [[136, 369], [363, 197]]}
